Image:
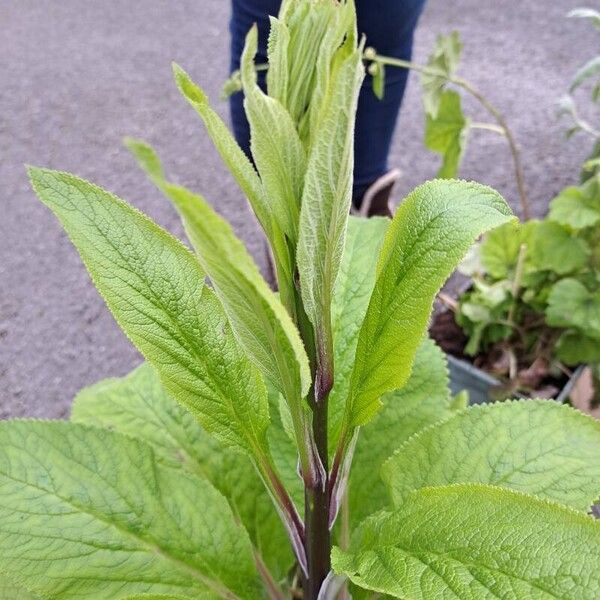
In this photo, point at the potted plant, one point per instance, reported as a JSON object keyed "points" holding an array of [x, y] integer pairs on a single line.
{"points": [[242, 460]]}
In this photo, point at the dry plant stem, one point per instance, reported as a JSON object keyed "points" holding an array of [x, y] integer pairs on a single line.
{"points": [[471, 89]]}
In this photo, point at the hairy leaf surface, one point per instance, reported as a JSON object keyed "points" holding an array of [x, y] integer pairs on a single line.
{"points": [[534, 446], [88, 513], [352, 291], [474, 542], [430, 233], [275, 144], [425, 399], [138, 405], [261, 323], [327, 194], [154, 288]]}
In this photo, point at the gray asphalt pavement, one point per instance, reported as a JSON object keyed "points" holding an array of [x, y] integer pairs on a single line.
{"points": [[76, 76]]}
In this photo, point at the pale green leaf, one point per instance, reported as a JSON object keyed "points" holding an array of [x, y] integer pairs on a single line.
{"points": [[571, 304], [500, 249], [443, 63], [475, 542], [277, 55], [575, 208], [138, 405], [378, 80], [352, 291], [536, 446], [589, 69], [327, 195], [12, 591], [446, 133], [233, 156], [154, 288], [425, 399], [429, 235], [554, 248], [89, 513], [262, 325], [276, 147]]}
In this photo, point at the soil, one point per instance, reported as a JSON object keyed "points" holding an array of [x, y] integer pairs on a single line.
{"points": [[534, 379], [76, 77]]}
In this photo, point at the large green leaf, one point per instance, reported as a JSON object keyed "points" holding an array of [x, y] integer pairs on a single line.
{"points": [[327, 195], [425, 399], [500, 249], [89, 513], [577, 207], [154, 288], [474, 542], [430, 233], [571, 304], [446, 133], [276, 147], [442, 64], [261, 323], [206, 596], [534, 446], [138, 405], [352, 291], [11, 591], [554, 248]]}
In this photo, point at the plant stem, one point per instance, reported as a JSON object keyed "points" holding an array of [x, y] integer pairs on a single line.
{"points": [[285, 506], [318, 536], [273, 590], [471, 89]]}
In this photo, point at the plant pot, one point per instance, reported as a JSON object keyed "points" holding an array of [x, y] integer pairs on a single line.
{"points": [[479, 384]]}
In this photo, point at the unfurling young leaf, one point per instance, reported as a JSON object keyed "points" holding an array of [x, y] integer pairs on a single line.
{"points": [[155, 289], [326, 201], [461, 541]]}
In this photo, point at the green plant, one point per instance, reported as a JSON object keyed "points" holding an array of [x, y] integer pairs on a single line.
{"points": [[534, 307], [182, 479]]}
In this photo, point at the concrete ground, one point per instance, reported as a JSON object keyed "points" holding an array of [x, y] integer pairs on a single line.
{"points": [[76, 76]]}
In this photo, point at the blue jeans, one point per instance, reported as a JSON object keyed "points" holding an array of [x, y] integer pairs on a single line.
{"points": [[389, 26]]}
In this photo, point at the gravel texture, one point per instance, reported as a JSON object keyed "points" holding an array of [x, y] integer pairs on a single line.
{"points": [[76, 76]]}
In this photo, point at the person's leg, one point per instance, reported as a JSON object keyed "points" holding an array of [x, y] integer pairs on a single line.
{"points": [[244, 14], [388, 26]]}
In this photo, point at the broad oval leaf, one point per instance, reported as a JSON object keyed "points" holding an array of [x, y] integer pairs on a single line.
{"points": [[431, 232], [474, 542], [571, 304], [138, 405], [89, 514], [535, 446], [155, 289]]}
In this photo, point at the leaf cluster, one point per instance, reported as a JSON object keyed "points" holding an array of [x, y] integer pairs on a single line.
{"points": [[184, 479]]}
